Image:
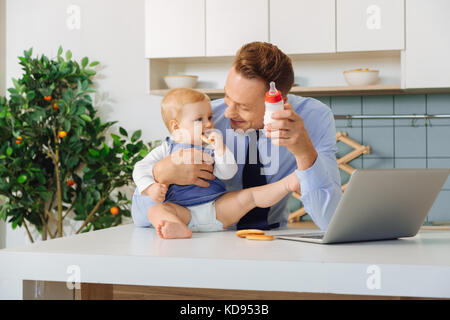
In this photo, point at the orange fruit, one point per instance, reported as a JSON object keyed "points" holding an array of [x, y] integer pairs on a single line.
{"points": [[114, 210], [55, 106], [70, 182], [18, 141], [48, 98], [62, 134]]}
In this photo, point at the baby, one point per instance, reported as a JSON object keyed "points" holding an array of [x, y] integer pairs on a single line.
{"points": [[182, 209]]}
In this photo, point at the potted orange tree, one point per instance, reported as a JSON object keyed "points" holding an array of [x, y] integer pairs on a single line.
{"points": [[55, 161]]}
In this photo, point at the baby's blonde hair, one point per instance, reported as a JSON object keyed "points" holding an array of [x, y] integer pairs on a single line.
{"points": [[174, 101]]}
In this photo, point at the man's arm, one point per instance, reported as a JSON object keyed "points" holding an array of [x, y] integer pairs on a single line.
{"points": [[317, 168], [320, 184], [184, 167]]}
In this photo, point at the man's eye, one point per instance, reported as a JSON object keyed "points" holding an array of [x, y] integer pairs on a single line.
{"points": [[210, 118], [199, 119]]}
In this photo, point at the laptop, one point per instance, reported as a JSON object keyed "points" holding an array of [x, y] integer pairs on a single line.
{"points": [[380, 204]]}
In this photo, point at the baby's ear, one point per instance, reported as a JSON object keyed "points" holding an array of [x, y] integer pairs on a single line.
{"points": [[173, 125]]}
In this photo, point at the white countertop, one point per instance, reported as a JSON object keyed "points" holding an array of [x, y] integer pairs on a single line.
{"points": [[417, 266]]}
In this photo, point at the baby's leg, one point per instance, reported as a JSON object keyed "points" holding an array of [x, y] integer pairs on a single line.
{"points": [[170, 220], [232, 206]]}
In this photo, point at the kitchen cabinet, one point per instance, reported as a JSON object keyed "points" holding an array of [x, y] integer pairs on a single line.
{"points": [[370, 25], [426, 60], [322, 37], [303, 26], [232, 23], [175, 28]]}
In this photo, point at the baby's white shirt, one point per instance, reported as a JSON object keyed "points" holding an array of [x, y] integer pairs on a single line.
{"points": [[225, 166]]}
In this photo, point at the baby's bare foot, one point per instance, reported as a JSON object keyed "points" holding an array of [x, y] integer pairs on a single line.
{"points": [[174, 230], [158, 230], [292, 183]]}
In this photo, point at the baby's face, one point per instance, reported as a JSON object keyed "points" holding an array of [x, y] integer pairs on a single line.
{"points": [[195, 119]]}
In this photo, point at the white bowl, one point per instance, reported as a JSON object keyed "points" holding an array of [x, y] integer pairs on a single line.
{"points": [[361, 77], [181, 81]]}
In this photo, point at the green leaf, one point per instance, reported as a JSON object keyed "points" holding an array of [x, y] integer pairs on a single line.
{"points": [[28, 53], [9, 151], [84, 85], [60, 51], [16, 84], [67, 125], [72, 162], [86, 117], [94, 152], [94, 63], [116, 139], [68, 55], [84, 62], [31, 95], [105, 150], [136, 135], [90, 72], [123, 132], [143, 152], [22, 178], [40, 178]]}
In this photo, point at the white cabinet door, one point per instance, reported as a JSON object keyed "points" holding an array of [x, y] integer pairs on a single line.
{"points": [[175, 28], [233, 23], [370, 25], [426, 60], [303, 26]]}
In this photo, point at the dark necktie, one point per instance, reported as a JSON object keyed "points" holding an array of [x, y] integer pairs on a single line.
{"points": [[252, 177]]}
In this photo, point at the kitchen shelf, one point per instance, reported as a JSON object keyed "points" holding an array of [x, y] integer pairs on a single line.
{"points": [[334, 91]]}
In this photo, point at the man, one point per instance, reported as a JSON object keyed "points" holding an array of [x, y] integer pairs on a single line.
{"points": [[302, 137]]}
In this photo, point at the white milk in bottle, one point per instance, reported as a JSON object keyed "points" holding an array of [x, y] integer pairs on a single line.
{"points": [[274, 102]]}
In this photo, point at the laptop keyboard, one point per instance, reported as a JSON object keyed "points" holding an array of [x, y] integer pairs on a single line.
{"points": [[306, 235]]}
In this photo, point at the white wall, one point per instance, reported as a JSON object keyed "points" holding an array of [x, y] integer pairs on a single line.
{"points": [[2, 88], [111, 32], [2, 47]]}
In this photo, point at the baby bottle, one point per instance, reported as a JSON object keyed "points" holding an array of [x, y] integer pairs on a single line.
{"points": [[274, 102]]}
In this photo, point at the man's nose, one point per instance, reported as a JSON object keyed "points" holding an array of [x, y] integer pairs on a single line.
{"points": [[230, 111]]}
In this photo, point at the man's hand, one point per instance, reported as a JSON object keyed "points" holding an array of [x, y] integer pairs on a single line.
{"points": [[184, 167], [157, 192], [288, 130]]}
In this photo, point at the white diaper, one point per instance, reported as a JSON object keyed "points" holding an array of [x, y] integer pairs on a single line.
{"points": [[203, 218]]}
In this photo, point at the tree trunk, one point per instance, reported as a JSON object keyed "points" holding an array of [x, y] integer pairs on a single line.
{"points": [[44, 232]]}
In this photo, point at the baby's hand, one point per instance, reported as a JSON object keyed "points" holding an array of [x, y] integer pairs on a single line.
{"points": [[217, 142], [157, 192]]}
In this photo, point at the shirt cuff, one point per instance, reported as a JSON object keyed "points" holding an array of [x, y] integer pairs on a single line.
{"points": [[313, 178], [144, 183]]}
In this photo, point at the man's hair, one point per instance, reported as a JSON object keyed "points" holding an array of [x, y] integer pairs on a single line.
{"points": [[175, 99], [265, 61]]}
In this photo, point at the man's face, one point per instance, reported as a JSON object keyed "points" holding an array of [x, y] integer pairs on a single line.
{"points": [[245, 101]]}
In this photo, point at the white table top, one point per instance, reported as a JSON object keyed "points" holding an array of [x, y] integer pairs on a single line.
{"points": [[417, 266]]}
